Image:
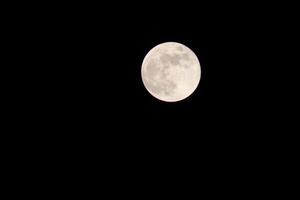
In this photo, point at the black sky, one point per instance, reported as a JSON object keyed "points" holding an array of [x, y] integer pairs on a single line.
{"points": [[82, 105]]}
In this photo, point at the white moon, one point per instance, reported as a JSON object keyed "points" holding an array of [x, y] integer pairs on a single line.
{"points": [[171, 71]]}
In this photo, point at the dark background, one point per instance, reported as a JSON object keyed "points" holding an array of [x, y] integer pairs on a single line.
{"points": [[84, 104]]}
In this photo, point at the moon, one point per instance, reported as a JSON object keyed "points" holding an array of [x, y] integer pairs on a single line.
{"points": [[171, 72]]}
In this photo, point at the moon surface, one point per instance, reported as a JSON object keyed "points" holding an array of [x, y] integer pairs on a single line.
{"points": [[171, 72]]}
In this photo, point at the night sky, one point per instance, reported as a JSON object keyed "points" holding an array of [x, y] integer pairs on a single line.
{"points": [[86, 94]]}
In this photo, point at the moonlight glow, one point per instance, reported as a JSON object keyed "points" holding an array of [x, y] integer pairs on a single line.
{"points": [[171, 72]]}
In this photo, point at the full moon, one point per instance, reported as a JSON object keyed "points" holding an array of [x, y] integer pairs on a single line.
{"points": [[171, 72]]}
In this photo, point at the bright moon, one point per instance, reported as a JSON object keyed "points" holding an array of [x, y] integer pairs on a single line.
{"points": [[171, 72]]}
